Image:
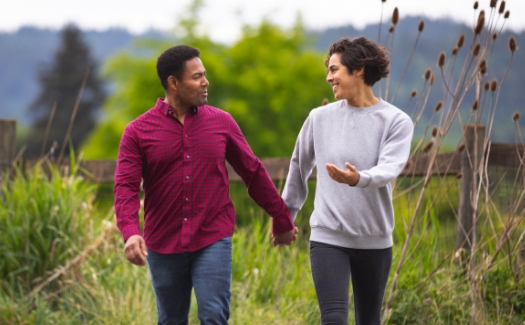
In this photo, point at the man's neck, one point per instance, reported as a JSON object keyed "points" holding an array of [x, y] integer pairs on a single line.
{"points": [[179, 111]]}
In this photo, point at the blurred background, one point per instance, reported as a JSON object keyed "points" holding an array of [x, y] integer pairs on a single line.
{"points": [[264, 61]]}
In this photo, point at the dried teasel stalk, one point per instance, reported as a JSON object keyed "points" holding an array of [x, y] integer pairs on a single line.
{"points": [[515, 116], [461, 41], [428, 146], [493, 3], [441, 59], [476, 49], [413, 93], [432, 78], [493, 85], [487, 86], [434, 131], [461, 147], [427, 74], [501, 7], [475, 106], [480, 24], [512, 44], [395, 16], [421, 26], [507, 14], [476, 4], [455, 51], [438, 106]]}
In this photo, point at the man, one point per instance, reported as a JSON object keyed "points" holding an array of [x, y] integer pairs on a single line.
{"points": [[179, 149]]}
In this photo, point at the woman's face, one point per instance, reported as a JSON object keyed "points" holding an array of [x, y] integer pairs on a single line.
{"points": [[344, 85]]}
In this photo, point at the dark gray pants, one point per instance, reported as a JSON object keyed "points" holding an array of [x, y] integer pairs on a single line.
{"points": [[332, 268]]}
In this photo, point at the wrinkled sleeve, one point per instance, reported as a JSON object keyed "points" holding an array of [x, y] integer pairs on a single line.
{"points": [[301, 165], [259, 184], [128, 175], [392, 158]]}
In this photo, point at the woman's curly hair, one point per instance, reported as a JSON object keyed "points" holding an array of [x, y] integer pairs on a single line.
{"points": [[362, 52]]}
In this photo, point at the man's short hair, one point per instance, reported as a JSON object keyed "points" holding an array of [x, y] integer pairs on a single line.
{"points": [[362, 52], [172, 62]]}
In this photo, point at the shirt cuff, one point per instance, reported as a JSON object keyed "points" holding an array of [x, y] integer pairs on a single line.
{"points": [[130, 231], [282, 224]]}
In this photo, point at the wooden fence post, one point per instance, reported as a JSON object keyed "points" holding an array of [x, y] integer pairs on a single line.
{"points": [[7, 145], [473, 139]]}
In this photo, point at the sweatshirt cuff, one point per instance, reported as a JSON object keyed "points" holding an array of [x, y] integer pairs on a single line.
{"points": [[364, 180], [282, 223]]}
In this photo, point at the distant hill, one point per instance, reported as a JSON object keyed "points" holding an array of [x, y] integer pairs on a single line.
{"points": [[438, 36], [23, 51]]}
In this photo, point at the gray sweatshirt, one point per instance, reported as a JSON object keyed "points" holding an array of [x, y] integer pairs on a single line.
{"points": [[376, 140]]}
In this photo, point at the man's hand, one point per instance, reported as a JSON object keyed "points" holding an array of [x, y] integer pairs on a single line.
{"points": [[349, 176], [285, 238], [136, 250]]}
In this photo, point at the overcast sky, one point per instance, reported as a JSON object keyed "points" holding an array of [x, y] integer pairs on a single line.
{"points": [[222, 19]]}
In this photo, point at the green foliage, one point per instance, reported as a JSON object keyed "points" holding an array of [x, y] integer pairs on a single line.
{"points": [[44, 217], [268, 80], [61, 84]]}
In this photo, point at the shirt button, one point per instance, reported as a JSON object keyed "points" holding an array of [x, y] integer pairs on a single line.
{"points": [[188, 156], [187, 199], [187, 177], [185, 219], [186, 135]]}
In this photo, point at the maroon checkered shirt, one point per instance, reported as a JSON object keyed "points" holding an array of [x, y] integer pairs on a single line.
{"points": [[185, 180]]}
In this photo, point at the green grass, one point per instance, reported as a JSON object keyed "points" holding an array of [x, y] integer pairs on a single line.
{"points": [[270, 285]]}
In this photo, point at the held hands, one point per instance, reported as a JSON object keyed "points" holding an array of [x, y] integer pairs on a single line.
{"points": [[136, 250], [285, 238], [349, 176]]}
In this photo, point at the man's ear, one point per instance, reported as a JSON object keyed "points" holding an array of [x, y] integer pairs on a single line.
{"points": [[173, 82]]}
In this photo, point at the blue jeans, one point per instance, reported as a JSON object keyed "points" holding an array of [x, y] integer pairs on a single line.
{"points": [[332, 268], [208, 270]]}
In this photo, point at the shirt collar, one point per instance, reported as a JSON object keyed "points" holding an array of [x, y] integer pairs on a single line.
{"points": [[167, 109]]}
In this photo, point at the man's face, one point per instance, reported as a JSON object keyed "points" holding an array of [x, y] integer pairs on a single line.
{"points": [[193, 88]]}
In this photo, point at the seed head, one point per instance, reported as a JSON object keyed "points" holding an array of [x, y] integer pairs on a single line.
{"points": [[501, 7], [441, 59], [475, 106], [476, 49], [476, 4], [325, 101], [427, 74], [407, 165], [455, 50], [493, 3], [428, 146], [413, 93], [495, 36], [459, 175], [515, 116], [461, 147], [507, 14], [421, 26], [461, 41], [487, 86], [512, 44], [480, 24], [383, 0], [483, 67], [434, 131], [395, 16], [432, 77], [438, 106], [493, 85], [391, 29]]}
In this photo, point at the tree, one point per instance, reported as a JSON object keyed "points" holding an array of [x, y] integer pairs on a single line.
{"points": [[70, 95], [269, 80]]}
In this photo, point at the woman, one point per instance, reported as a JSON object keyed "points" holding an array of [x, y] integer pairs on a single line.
{"points": [[360, 144]]}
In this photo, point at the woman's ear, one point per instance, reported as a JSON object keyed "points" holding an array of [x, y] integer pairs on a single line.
{"points": [[360, 72]]}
